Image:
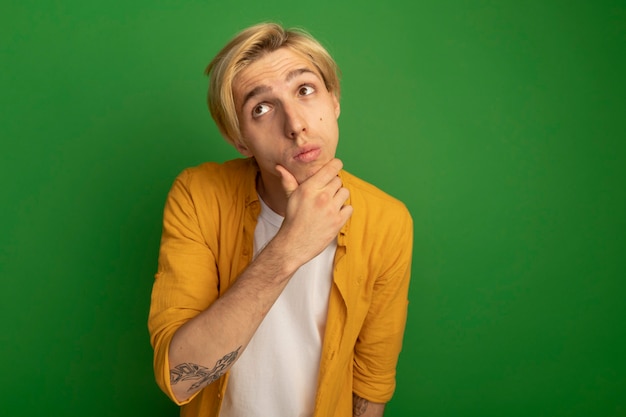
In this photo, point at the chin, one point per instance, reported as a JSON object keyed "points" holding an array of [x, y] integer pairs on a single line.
{"points": [[306, 173]]}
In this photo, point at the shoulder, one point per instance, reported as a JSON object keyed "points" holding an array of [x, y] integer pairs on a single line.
{"points": [[231, 177], [379, 231], [232, 171], [205, 192], [213, 184], [372, 200]]}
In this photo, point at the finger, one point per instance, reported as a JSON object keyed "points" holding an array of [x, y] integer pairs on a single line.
{"points": [[327, 173], [334, 184], [287, 180], [341, 197], [345, 212]]}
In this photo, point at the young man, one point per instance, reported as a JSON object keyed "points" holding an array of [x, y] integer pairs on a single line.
{"points": [[282, 280]]}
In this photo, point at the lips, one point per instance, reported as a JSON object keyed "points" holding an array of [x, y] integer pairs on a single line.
{"points": [[307, 154]]}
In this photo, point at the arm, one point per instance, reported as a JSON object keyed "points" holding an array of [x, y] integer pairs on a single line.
{"points": [[363, 408], [205, 347], [379, 341]]}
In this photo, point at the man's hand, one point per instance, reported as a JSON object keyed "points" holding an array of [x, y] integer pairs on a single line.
{"points": [[363, 408], [315, 211]]}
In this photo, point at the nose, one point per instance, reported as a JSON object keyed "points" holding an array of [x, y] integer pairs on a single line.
{"points": [[295, 123]]}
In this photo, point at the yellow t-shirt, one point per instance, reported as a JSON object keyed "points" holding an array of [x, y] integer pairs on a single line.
{"points": [[207, 241]]}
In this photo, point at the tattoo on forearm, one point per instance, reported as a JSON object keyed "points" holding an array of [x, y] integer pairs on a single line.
{"points": [[359, 405], [193, 371]]}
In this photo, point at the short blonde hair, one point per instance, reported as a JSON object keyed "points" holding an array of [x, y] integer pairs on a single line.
{"points": [[245, 48]]}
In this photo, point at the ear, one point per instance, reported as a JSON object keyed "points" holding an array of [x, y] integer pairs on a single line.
{"points": [[337, 106], [242, 148]]}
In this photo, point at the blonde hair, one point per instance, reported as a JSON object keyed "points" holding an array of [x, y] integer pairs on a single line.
{"points": [[245, 48]]}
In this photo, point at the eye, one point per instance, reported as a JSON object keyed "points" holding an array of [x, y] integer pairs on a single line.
{"points": [[305, 90], [260, 109]]}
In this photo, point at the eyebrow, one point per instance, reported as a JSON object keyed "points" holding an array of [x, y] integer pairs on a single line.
{"points": [[264, 88]]}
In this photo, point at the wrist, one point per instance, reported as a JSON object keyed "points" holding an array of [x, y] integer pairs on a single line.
{"points": [[282, 256]]}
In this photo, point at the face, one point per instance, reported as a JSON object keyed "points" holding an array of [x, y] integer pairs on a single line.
{"points": [[286, 115]]}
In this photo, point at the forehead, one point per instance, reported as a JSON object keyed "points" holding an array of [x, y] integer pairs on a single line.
{"points": [[271, 70]]}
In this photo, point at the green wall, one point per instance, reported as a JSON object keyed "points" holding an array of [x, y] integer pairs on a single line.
{"points": [[502, 125]]}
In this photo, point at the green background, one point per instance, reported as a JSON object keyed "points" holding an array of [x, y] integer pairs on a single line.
{"points": [[501, 125]]}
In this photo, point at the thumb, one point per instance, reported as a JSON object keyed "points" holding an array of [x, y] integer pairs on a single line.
{"points": [[287, 180]]}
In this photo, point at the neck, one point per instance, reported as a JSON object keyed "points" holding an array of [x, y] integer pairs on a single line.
{"points": [[272, 193]]}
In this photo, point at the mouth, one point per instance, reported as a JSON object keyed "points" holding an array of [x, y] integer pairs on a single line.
{"points": [[307, 154]]}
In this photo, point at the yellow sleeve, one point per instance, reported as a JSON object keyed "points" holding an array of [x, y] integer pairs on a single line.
{"points": [[380, 339], [186, 282]]}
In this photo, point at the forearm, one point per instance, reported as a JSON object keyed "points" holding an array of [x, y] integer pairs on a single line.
{"points": [[363, 408], [205, 347]]}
